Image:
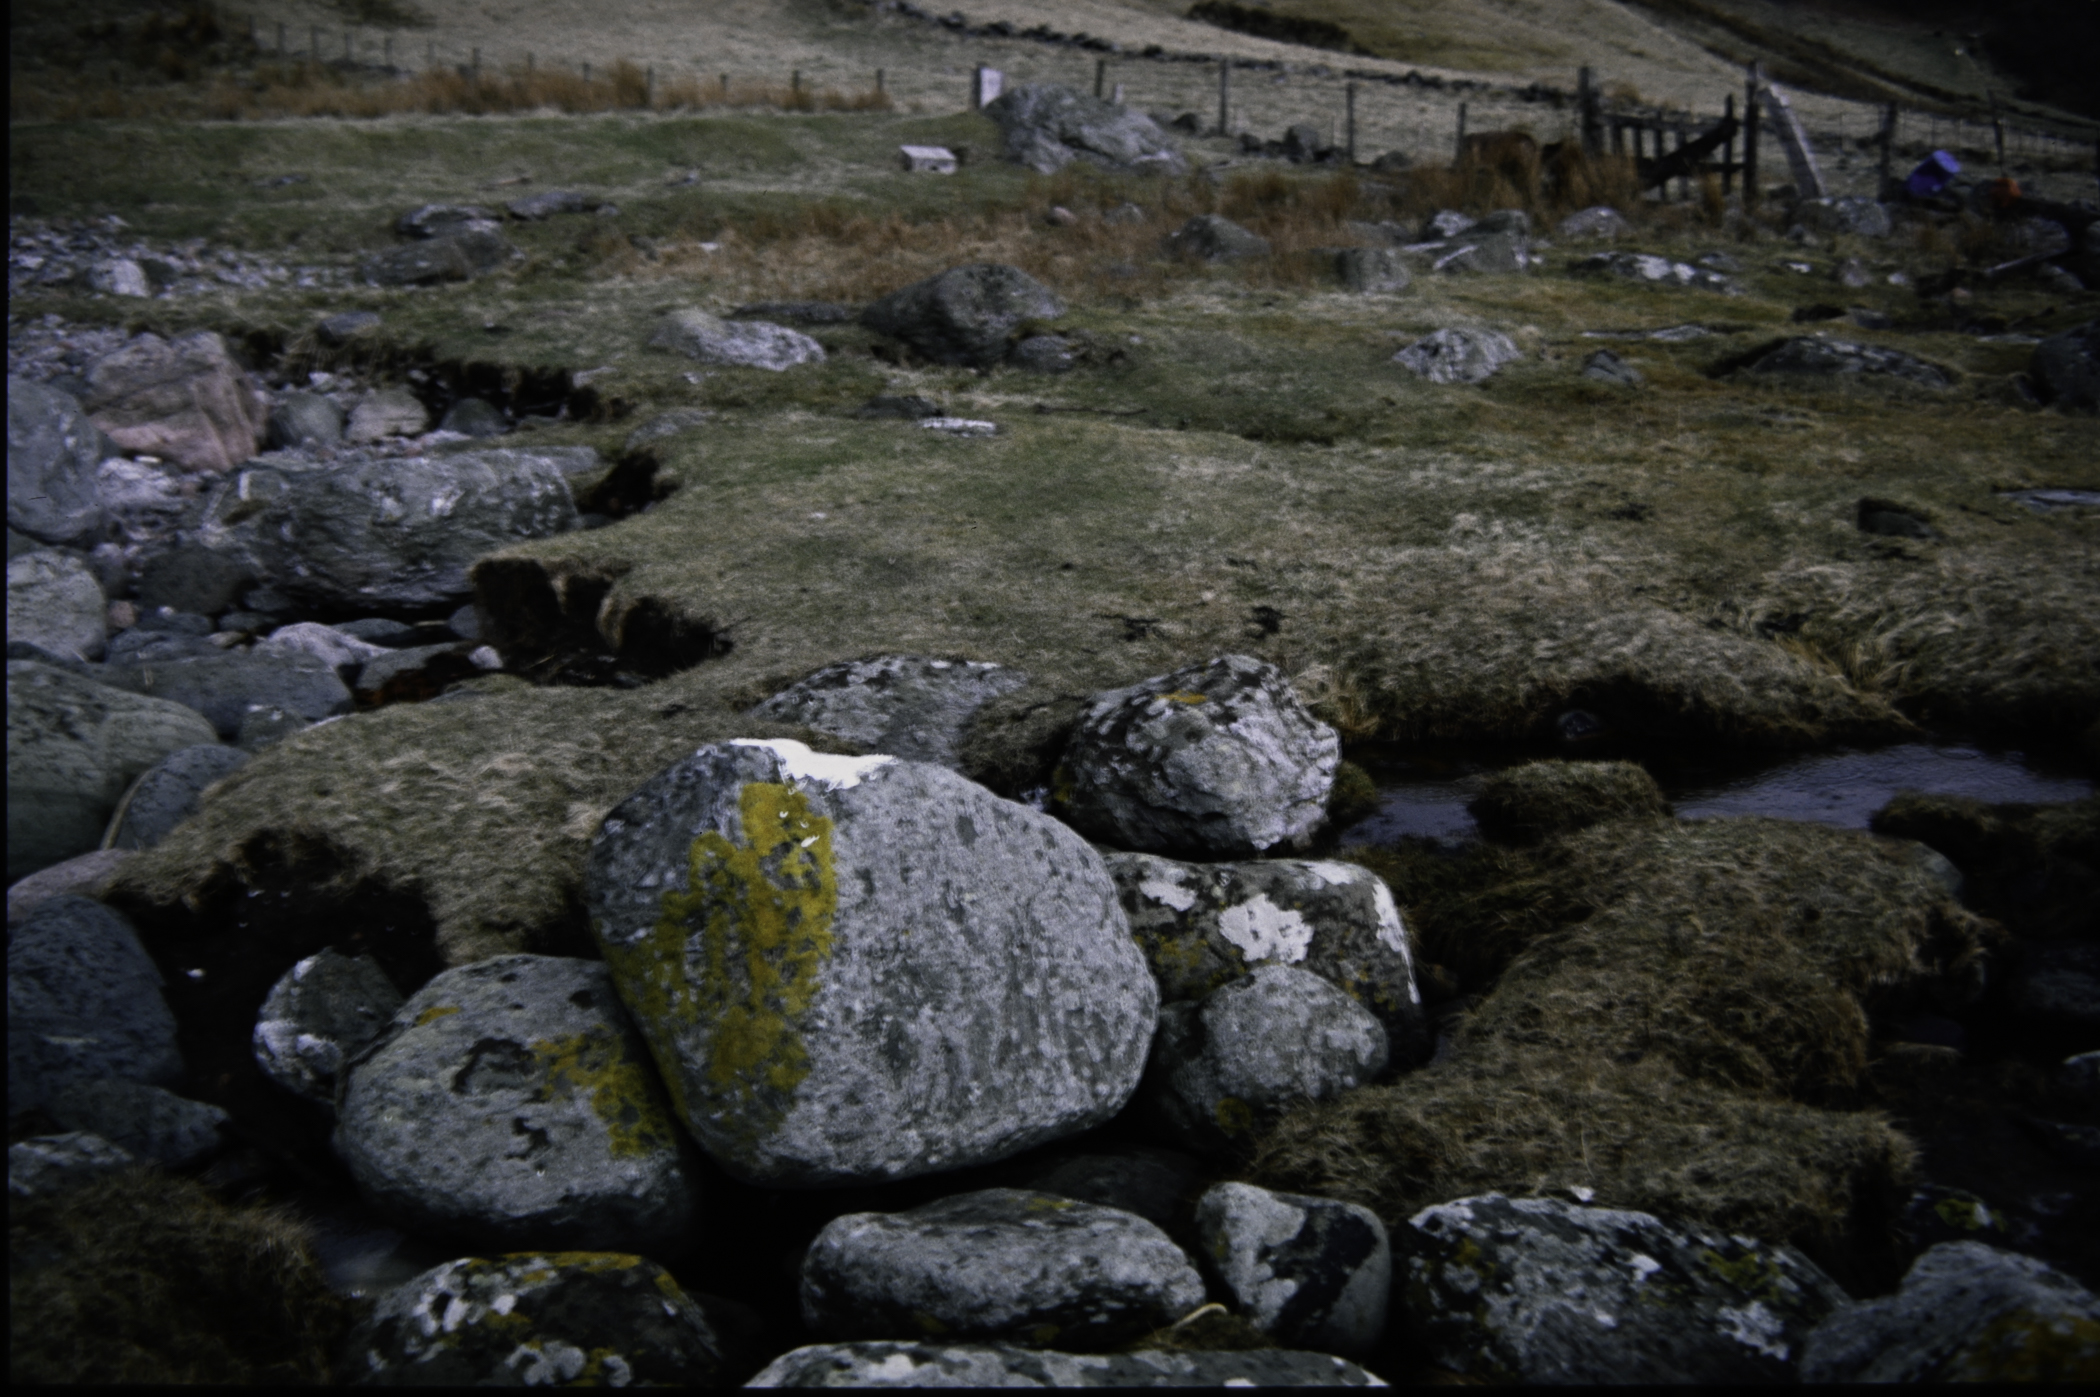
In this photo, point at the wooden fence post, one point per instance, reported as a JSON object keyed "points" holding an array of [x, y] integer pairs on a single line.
{"points": [[1589, 112], [1750, 191], [1887, 139], [1728, 149], [1458, 150], [1349, 97], [1100, 78], [1998, 133], [1224, 95]]}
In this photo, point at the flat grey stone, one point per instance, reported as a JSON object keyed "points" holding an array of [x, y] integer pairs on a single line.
{"points": [[898, 1364], [547, 203], [754, 344], [665, 425], [225, 687], [909, 706], [436, 220], [321, 1013], [1816, 356], [997, 1264], [1311, 1273], [1458, 355], [55, 603], [1599, 221], [512, 1101], [83, 1002], [149, 1121], [44, 1165], [169, 793], [952, 981], [52, 452]]}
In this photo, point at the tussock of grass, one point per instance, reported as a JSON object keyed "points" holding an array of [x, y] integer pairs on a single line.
{"points": [[1680, 1050], [1526, 803], [144, 1278]]}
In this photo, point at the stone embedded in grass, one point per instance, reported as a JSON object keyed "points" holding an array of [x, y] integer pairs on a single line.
{"points": [[891, 1363], [83, 1002], [547, 203], [997, 1264], [1044, 354], [909, 706], [304, 419], [55, 603], [1370, 269], [321, 1013], [1600, 221], [2065, 368], [475, 417], [752, 344], [1445, 223], [1534, 1290], [860, 969], [511, 1100], [1202, 925], [1481, 254], [1308, 1272], [1966, 1313], [1223, 1069], [1217, 760], [1458, 355], [1816, 356], [1655, 271], [46, 1164], [459, 256], [1526, 803], [965, 315], [960, 426], [52, 451], [339, 329], [1047, 126], [169, 793], [1210, 237], [532, 1319], [437, 220], [185, 400], [1607, 367], [665, 425], [387, 412]]}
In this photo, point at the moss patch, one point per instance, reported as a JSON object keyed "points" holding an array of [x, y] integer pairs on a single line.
{"points": [[1526, 803]]}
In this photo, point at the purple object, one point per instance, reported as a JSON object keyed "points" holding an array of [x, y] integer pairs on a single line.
{"points": [[1932, 175]]}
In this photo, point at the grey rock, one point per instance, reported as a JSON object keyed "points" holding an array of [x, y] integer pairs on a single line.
{"points": [[1210, 237], [965, 315], [1655, 271], [1480, 252], [1046, 126], [437, 220], [1303, 142], [1607, 367], [2061, 280], [447, 257], [185, 400], [897, 1364], [304, 419], [1216, 760], [1860, 217], [1598, 221], [955, 984], [416, 671], [535, 1319], [52, 452], [55, 604], [909, 706], [119, 276], [148, 1121], [1718, 262], [511, 1101], [1458, 355], [170, 620], [139, 646], [796, 312], [340, 650], [1383, 233], [193, 578], [344, 326], [999, 1263], [1514, 222], [80, 876], [474, 417], [1045, 354], [909, 407], [73, 747], [1966, 1313], [1445, 224], [1123, 214], [2065, 368], [1816, 356], [665, 425], [1225, 1068], [391, 532], [1147, 1180], [754, 344], [1853, 273], [465, 622], [170, 793], [149, 502], [1370, 269], [1204, 925], [1536, 1290], [83, 1002], [387, 412], [321, 1013], [44, 1165], [1311, 1273], [225, 687], [263, 727], [547, 203]]}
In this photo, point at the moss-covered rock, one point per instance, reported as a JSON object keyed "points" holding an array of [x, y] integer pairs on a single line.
{"points": [[1526, 803]]}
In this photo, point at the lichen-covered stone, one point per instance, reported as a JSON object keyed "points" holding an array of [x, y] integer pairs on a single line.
{"points": [[1966, 1313], [1458, 355], [1148, 1180], [1226, 1067], [83, 1001], [512, 1100], [1046, 126], [168, 794], [1537, 1290], [965, 315], [755, 344], [997, 1264], [55, 603], [1216, 760], [528, 1319], [1310, 1272], [322, 1012], [909, 706], [1202, 925], [863, 968], [894, 1364]]}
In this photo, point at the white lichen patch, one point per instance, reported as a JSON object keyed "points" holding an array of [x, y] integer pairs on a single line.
{"points": [[1168, 892], [1755, 1327], [1265, 932], [798, 763]]}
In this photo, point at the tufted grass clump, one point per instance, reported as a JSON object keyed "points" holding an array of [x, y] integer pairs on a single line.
{"points": [[141, 1277], [1524, 804]]}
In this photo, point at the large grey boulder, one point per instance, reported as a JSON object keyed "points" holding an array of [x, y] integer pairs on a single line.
{"points": [[965, 315], [897, 1364], [1966, 1313], [859, 969], [997, 1264], [1225, 1068], [52, 452], [148, 501], [73, 747], [1538, 1290], [1815, 356], [1458, 355], [755, 344], [909, 706], [1202, 925], [185, 400], [1651, 270], [512, 1101], [1211, 237], [1861, 217], [225, 687], [535, 1320], [170, 792], [55, 603], [1216, 760], [1046, 127], [2065, 370], [1309, 1272], [456, 256], [83, 1002], [321, 1013], [145, 1120], [386, 533]]}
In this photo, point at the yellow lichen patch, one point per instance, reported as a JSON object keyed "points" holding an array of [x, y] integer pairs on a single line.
{"points": [[435, 1012], [622, 1089], [1186, 697], [594, 1262], [2027, 1347], [1045, 1203], [1234, 1115], [1753, 1272]]}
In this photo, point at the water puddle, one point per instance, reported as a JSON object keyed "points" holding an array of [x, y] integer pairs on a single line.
{"points": [[1423, 791], [2048, 501]]}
